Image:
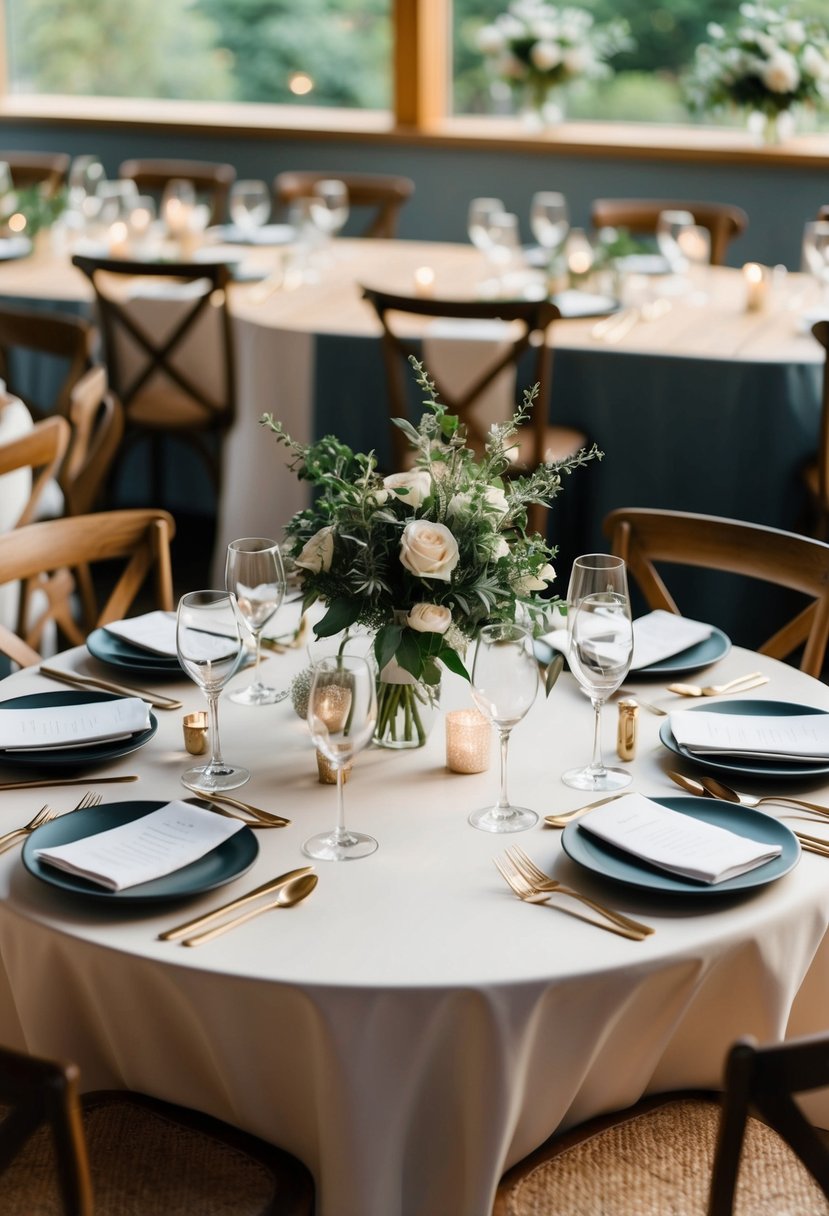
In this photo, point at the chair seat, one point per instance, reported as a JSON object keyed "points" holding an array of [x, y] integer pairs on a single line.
{"points": [[658, 1163], [166, 408], [560, 442], [147, 1160]]}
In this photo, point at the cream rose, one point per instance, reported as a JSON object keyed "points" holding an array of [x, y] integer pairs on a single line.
{"points": [[411, 487], [429, 550], [545, 56], [781, 74], [534, 582], [318, 552], [429, 618]]}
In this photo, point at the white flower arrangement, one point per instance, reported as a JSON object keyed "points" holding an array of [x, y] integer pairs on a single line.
{"points": [[766, 62], [539, 46]]}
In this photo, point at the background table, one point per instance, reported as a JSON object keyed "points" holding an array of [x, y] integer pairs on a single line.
{"points": [[412, 1029]]}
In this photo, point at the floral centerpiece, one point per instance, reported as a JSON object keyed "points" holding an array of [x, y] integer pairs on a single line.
{"points": [[765, 63], [421, 558], [536, 47], [25, 212]]}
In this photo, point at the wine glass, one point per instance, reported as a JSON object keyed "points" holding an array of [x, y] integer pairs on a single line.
{"points": [[669, 228], [210, 650], [328, 206], [504, 684], [481, 211], [816, 252], [342, 714], [250, 205], [600, 651], [549, 220], [184, 216], [505, 244], [255, 576]]}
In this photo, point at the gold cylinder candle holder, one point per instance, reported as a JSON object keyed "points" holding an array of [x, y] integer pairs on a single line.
{"points": [[327, 772], [468, 741], [195, 732]]}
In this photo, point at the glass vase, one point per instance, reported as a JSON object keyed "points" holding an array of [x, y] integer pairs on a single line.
{"points": [[541, 107], [771, 128], [406, 708]]}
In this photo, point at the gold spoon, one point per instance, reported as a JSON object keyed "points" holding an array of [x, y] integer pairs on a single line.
{"points": [[709, 787], [288, 896]]}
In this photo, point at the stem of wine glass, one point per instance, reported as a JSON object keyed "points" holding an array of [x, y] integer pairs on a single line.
{"points": [[503, 800], [257, 638], [597, 768], [340, 835], [216, 761]]}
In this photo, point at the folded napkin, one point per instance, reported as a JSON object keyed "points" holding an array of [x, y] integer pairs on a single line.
{"points": [[797, 737], [147, 848], [54, 726], [154, 631], [659, 635], [676, 842]]}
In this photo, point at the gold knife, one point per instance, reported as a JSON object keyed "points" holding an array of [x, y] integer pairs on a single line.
{"points": [[275, 901], [40, 781], [170, 935], [157, 700]]}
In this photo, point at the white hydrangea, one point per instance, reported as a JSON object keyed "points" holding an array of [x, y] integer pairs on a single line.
{"points": [[781, 74]]}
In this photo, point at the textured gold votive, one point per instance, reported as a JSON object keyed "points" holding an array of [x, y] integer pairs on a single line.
{"points": [[195, 732], [328, 772], [468, 741]]}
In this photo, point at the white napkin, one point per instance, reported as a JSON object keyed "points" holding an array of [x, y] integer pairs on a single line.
{"points": [[150, 847], [797, 737], [72, 725], [676, 842], [659, 635], [154, 631]]}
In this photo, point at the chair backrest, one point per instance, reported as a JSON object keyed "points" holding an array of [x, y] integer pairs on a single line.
{"points": [[42, 1093], [42, 450], [383, 194], [530, 320], [723, 220], [33, 168], [43, 553], [820, 330], [97, 419], [764, 1079], [175, 339], [60, 336], [209, 179], [643, 537]]}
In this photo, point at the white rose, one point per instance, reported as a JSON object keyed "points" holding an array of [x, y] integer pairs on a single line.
{"points": [[459, 504], [815, 64], [317, 553], [411, 487], [545, 56], [429, 550], [577, 60], [429, 618], [781, 73], [499, 549], [534, 582], [793, 31], [490, 40], [496, 499]]}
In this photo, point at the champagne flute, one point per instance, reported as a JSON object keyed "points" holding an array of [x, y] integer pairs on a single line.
{"points": [[210, 650], [549, 220], [255, 576], [504, 684], [342, 714], [600, 652], [249, 205], [328, 206]]}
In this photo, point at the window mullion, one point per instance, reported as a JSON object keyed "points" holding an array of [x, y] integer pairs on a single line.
{"points": [[421, 61]]}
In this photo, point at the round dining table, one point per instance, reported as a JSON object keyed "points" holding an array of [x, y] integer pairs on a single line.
{"points": [[412, 1028]]}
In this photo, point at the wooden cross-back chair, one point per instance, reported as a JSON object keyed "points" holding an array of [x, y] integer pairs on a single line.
{"points": [[111, 1152], [42, 449], [43, 554], [36, 168], [692, 1152], [178, 380], [380, 195], [59, 335], [816, 471], [724, 221], [212, 180], [644, 537], [538, 442]]}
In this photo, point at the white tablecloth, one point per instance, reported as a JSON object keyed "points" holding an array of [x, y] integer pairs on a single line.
{"points": [[412, 1029]]}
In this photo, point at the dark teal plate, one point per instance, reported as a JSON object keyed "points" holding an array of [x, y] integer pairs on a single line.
{"points": [[743, 766], [709, 650], [117, 653], [609, 862], [231, 859], [72, 757]]}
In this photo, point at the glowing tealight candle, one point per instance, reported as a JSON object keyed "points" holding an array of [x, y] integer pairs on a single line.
{"points": [[756, 285], [177, 216], [579, 253], [119, 245], [424, 281]]}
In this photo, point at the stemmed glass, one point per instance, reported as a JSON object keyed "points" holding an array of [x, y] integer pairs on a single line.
{"points": [[342, 713], [255, 576], [816, 253], [480, 213], [328, 206], [600, 651], [669, 227], [210, 650], [549, 220], [504, 684], [250, 205]]}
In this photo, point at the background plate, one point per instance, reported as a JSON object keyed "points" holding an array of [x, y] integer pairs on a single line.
{"points": [[709, 650], [232, 858], [72, 757], [749, 767], [604, 859], [118, 653]]}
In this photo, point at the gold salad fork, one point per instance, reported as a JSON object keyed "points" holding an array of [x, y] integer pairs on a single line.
{"points": [[536, 877], [530, 894], [44, 815]]}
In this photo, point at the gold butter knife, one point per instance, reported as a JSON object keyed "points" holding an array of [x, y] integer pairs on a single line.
{"points": [[41, 781], [157, 700], [170, 935]]}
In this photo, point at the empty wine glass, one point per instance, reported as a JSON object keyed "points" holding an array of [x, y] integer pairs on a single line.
{"points": [[250, 205], [328, 206], [85, 175], [816, 252], [600, 651], [480, 213], [210, 650], [549, 220], [504, 684], [505, 250], [184, 216], [254, 574], [669, 227], [342, 713]]}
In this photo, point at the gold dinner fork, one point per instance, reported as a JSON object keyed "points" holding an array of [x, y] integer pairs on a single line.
{"points": [[529, 894], [9, 838], [536, 877]]}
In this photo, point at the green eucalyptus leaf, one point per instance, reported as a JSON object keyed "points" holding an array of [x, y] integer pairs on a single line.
{"points": [[552, 673], [386, 644], [408, 653], [341, 615], [451, 659]]}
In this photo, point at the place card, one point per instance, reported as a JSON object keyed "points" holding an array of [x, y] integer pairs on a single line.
{"points": [[156, 844], [57, 726], [793, 737], [676, 842]]}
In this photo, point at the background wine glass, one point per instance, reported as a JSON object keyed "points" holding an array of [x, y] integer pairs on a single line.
{"points": [[480, 213], [816, 253], [342, 714], [249, 205], [328, 206], [504, 684], [505, 248], [549, 219], [210, 650], [600, 651], [254, 574], [669, 227]]}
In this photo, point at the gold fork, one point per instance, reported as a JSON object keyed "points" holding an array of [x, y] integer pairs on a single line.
{"points": [[10, 838], [536, 877], [526, 892]]}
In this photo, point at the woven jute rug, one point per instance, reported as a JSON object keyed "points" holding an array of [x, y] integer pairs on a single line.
{"points": [[659, 1164]]}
